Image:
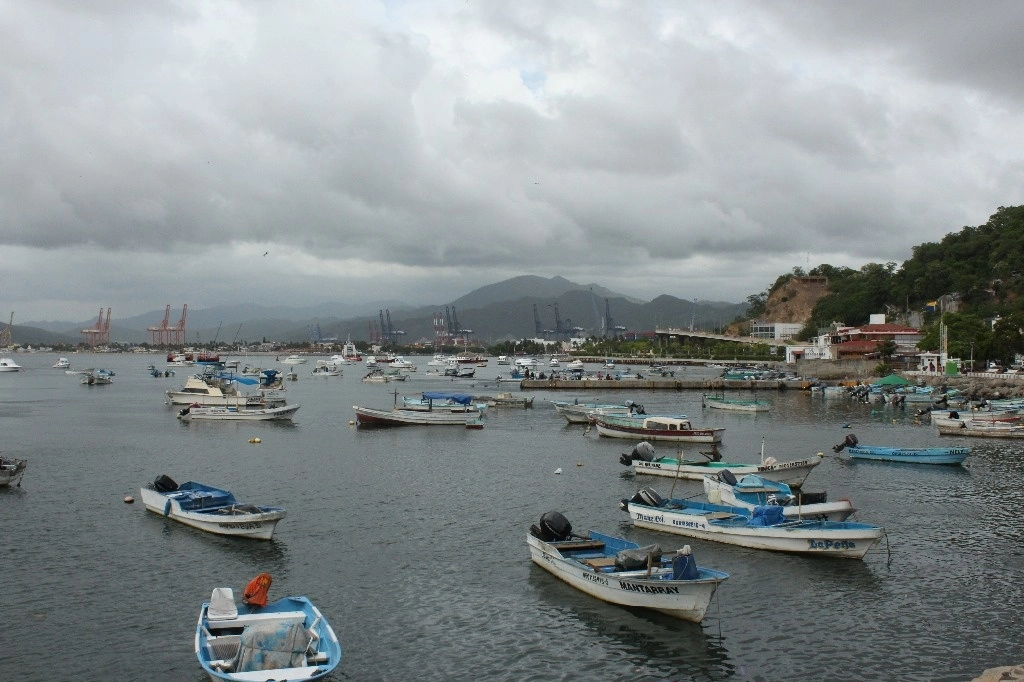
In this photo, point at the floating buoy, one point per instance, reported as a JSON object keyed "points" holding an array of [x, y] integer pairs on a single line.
{"points": [[255, 440], [821, 454], [351, 422], [558, 470], [846, 426], [579, 464], [128, 499]]}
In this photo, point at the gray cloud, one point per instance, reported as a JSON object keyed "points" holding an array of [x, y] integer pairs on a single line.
{"points": [[152, 153]]}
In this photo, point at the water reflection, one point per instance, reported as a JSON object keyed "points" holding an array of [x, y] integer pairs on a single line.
{"points": [[656, 645]]}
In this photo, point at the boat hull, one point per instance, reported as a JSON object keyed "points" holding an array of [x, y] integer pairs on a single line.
{"points": [[950, 456], [254, 526], [827, 539], [214, 413], [736, 405], [791, 473], [983, 430], [684, 599], [11, 470]]}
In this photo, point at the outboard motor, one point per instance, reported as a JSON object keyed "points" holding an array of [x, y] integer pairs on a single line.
{"points": [[643, 451], [727, 477], [164, 484], [553, 526], [848, 442], [646, 496]]}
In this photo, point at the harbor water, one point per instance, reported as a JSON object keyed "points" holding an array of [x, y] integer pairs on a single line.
{"points": [[412, 540]]}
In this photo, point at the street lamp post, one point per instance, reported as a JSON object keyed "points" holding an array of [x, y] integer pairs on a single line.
{"points": [[972, 356]]}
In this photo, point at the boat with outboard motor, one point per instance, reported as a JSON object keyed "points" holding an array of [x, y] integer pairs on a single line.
{"points": [[753, 490], [718, 402], [214, 510], [288, 639], [221, 389], [764, 527], [443, 401], [621, 572], [937, 455], [248, 413], [644, 461], [583, 413]]}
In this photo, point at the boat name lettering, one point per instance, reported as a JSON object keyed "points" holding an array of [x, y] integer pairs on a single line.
{"points": [[649, 589], [248, 525], [594, 578], [689, 524], [832, 544], [782, 465], [640, 516]]}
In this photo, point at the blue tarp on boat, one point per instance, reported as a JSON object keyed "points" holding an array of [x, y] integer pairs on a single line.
{"points": [[767, 515], [460, 398], [271, 646]]}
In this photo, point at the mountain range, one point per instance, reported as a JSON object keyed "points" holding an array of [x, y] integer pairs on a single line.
{"points": [[495, 312]]}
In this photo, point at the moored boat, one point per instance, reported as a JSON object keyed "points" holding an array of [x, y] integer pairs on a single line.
{"points": [[643, 460], [935, 455], [9, 365], [288, 639], [98, 377], [294, 359], [211, 509], [983, 429], [761, 528], [248, 413], [62, 363], [12, 470], [221, 390], [582, 413], [621, 572], [753, 490], [507, 399], [734, 404], [658, 427], [369, 416]]}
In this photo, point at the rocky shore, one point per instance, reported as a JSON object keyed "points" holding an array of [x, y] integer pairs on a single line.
{"points": [[989, 388]]}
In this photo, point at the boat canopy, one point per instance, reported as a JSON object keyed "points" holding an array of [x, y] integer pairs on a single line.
{"points": [[460, 398]]}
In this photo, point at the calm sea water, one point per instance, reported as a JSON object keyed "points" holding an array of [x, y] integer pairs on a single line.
{"points": [[412, 541]]}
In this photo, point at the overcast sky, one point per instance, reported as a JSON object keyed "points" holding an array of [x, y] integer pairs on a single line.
{"points": [[206, 153]]}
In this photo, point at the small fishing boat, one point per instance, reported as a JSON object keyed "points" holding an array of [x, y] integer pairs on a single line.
{"points": [[734, 404], [369, 416], [98, 377], [443, 401], [507, 399], [11, 471], [621, 572], [644, 461], [661, 427], [753, 491], [953, 456], [214, 510], [582, 413], [376, 376], [575, 365], [763, 527], [228, 413], [288, 639]]}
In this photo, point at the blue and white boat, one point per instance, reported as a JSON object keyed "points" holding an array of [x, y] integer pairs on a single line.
{"points": [[752, 491], [763, 527], [621, 572], [214, 510], [288, 639], [443, 401], [937, 455], [582, 413]]}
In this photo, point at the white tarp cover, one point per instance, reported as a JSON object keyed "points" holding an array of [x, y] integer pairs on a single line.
{"points": [[272, 646]]}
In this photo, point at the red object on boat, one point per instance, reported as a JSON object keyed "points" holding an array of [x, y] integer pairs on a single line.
{"points": [[256, 591]]}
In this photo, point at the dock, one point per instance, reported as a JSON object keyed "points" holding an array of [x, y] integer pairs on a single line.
{"points": [[662, 384]]}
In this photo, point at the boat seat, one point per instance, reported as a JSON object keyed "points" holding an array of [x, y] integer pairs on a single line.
{"points": [[598, 563], [719, 515], [250, 618], [570, 545], [222, 604]]}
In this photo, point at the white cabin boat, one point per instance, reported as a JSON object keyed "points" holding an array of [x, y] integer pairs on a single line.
{"points": [[9, 365], [207, 391], [62, 363], [294, 359], [11, 471]]}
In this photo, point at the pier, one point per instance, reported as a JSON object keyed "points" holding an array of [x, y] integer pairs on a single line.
{"points": [[662, 384]]}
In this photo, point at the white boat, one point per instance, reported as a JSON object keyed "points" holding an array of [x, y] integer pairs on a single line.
{"points": [[349, 352], [9, 365], [11, 471], [399, 417], [294, 360], [643, 460], [288, 639], [763, 528], [984, 429], [326, 368], [376, 376], [575, 365], [251, 414], [207, 390], [507, 399], [621, 572], [752, 491], [180, 359], [401, 363], [525, 363], [443, 401], [553, 362], [214, 510], [502, 360], [62, 363]]}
